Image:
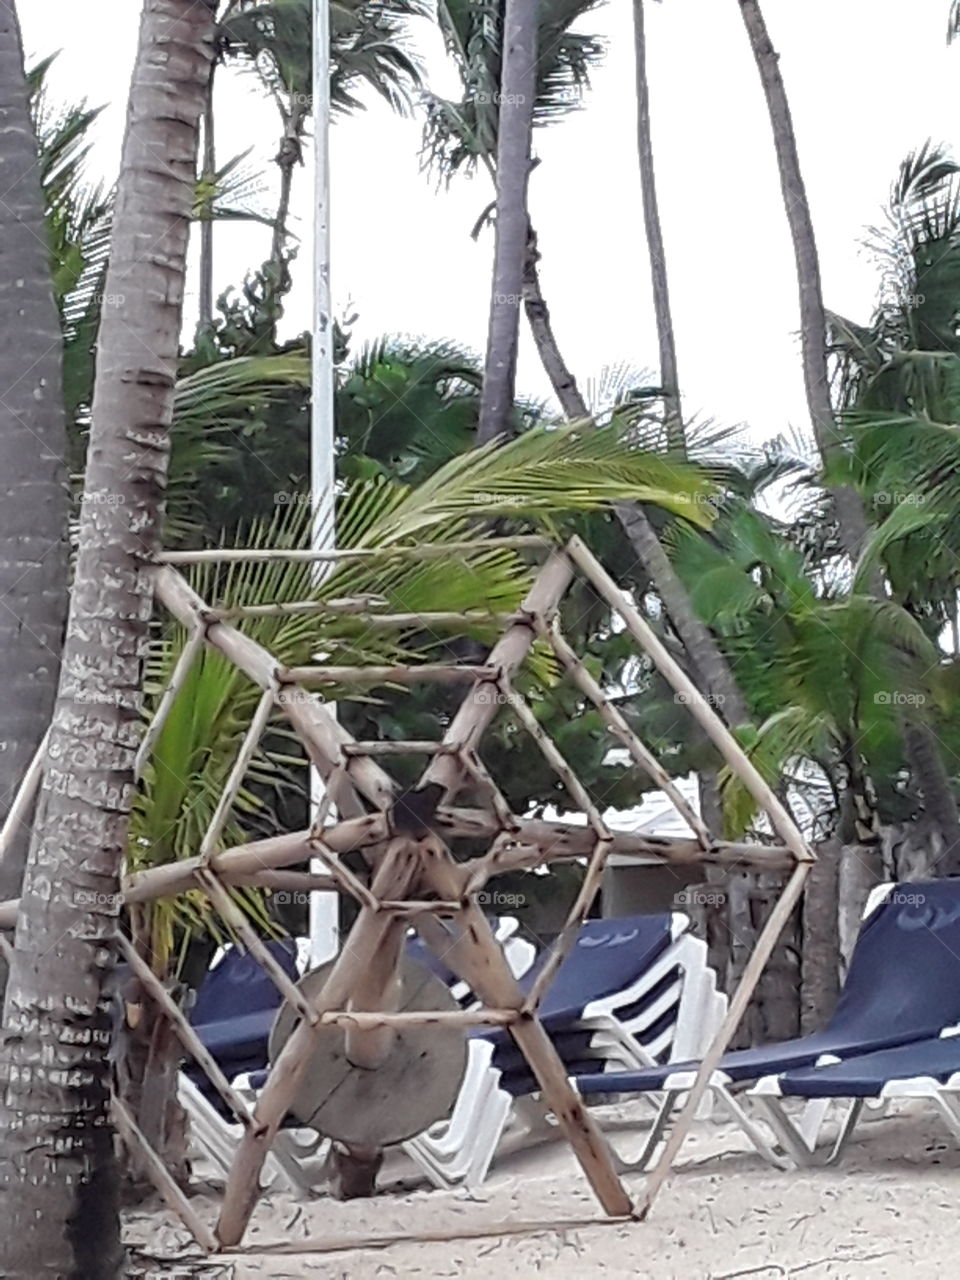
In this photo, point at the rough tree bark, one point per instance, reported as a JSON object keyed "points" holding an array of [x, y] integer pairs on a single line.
{"points": [[58, 1185], [851, 521], [926, 763], [518, 87], [669, 377], [33, 473], [208, 173]]}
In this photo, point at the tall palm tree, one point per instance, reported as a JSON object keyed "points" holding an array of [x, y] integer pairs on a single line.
{"points": [[58, 1176], [515, 108], [33, 469], [368, 47], [851, 522], [669, 377]]}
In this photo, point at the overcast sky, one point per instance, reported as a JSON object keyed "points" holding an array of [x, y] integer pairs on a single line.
{"points": [[868, 80]]}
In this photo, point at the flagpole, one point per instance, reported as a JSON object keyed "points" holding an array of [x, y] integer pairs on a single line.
{"points": [[324, 907]]}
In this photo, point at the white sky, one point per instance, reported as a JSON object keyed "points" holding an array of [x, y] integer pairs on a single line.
{"points": [[868, 80]]}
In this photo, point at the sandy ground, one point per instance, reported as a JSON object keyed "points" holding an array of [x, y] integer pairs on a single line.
{"points": [[889, 1209]]}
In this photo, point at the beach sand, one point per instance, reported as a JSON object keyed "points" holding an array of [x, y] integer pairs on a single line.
{"points": [[888, 1209]]}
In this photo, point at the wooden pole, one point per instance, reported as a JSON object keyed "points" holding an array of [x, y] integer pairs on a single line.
{"points": [[482, 704], [248, 748], [393, 878], [699, 708], [531, 844], [23, 800], [618, 726], [161, 1177], [751, 976], [438, 672], [425, 551], [317, 728], [185, 1032]]}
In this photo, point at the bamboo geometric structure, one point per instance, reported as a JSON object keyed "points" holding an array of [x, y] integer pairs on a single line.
{"points": [[405, 840]]}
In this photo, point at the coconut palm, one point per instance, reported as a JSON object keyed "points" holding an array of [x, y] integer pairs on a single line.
{"points": [[78, 213], [897, 380], [848, 508], [33, 510], [59, 1170], [515, 109], [369, 48]]}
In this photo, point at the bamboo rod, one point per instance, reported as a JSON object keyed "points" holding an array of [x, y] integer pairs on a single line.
{"points": [[534, 844], [423, 551], [317, 728], [363, 609], [231, 790], [185, 1032], [699, 708], [292, 881], [393, 878], [412, 907], [475, 767], [24, 799], [415, 1018], [442, 1235], [576, 916], [293, 608], [480, 707], [346, 881], [396, 747], [188, 655], [240, 925], [376, 989], [161, 1178], [615, 722], [436, 672], [556, 760], [751, 976]]}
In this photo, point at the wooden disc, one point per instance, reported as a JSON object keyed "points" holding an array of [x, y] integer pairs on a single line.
{"points": [[414, 1087]]}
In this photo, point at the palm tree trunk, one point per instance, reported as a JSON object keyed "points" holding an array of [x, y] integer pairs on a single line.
{"points": [[669, 377], [851, 521], [518, 86], [206, 223], [538, 317], [58, 1185], [288, 157], [33, 472], [931, 779]]}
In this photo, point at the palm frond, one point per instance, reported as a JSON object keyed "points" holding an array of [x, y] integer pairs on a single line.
{"points": [[460, 133]]}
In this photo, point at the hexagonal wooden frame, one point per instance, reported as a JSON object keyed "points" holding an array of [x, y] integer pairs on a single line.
{"points": [[414, 877]]}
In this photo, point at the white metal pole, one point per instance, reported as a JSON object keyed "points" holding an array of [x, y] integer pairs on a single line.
{"points": [[324, 907]]}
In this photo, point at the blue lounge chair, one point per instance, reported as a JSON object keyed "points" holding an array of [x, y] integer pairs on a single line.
{"points": [[924, 1069], [902, 988]]}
